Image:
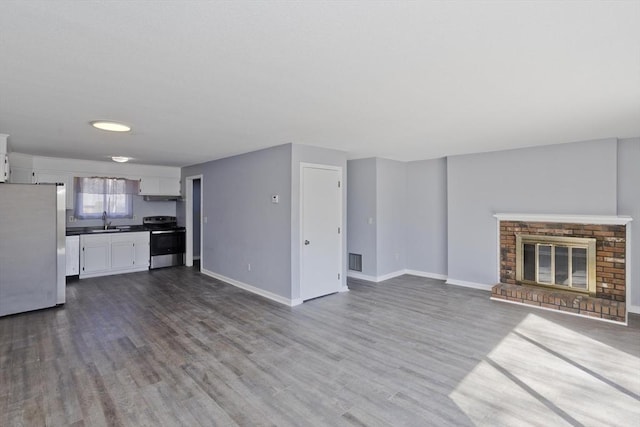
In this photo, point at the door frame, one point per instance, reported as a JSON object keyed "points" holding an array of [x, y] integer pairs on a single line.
{"points": [[189, 219], [340, 254]]}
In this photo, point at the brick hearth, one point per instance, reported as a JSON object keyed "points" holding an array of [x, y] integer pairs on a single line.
{"points": [[561, 300]]}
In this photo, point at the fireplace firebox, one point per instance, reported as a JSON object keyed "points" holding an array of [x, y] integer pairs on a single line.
{"points": [[567, 263]]}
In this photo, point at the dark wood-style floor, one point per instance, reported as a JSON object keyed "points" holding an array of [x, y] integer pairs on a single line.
{"points": [[173, 347]]}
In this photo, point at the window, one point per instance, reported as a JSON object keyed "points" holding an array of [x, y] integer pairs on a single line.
{"points": [[96, 195]]}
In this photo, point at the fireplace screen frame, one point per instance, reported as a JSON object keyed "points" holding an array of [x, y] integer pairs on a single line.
{"points": [[589, 244]]}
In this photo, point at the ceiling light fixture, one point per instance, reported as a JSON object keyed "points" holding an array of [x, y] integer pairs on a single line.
{"points": [[120, 159], [110, 126]]}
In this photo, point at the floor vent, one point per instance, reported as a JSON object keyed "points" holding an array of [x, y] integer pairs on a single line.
{"points": [[355, 262]]}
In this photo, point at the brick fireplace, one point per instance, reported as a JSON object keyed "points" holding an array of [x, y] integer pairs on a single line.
{"points": [[555, 282]]}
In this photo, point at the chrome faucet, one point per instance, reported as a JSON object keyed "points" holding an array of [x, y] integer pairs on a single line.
{"points": [[105, 224]]}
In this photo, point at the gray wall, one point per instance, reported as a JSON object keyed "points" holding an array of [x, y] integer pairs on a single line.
{"points": [[391, 207], [361, 206], [629, 204], [323, 156], [408, 205], [426, 217], [196, 217], [243, 226], [575, 178]]}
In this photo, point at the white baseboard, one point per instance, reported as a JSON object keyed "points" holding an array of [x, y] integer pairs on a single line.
{"points": [[426, 274], [633, 309], [344, 289], [361, 276], [391, 275], [466, 284], [252, 289], [375, 279]]}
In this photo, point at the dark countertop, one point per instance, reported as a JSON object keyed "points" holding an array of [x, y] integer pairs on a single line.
{"points": [[76, 231]]}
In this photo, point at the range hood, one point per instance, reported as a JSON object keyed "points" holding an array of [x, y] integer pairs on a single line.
{"points": [[161, 198]]}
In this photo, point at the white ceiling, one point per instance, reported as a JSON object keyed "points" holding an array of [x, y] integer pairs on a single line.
{"points": [[201, 80]]}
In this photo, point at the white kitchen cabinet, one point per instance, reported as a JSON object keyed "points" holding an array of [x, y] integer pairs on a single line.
{"points": [[4, 158], [141, 250], [21, 175], [130, 250], [4, 167], [72, 254], [115, 253], [159, 186], [95, 255], [53, 177], [122, 253]]}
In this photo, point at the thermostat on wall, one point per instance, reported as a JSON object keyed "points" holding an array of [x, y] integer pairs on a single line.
{"points": [[275, 198]]}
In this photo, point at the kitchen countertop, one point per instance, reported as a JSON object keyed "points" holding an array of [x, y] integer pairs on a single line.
{"points": [[76, 231]]}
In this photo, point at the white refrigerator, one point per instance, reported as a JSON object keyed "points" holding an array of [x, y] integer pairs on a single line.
{"points": [[32, 247]]}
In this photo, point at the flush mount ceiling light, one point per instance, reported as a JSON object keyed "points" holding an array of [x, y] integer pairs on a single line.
{"points": [[119, 159], [110, 126]]}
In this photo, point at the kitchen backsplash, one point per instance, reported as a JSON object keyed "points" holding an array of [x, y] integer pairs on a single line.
{"points": [[140, 209]]}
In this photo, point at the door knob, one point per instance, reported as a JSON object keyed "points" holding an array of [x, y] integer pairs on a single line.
{"points": [[306, 242]]}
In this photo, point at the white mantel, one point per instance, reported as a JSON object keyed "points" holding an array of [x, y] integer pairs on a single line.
{"points": [[570, 219]]}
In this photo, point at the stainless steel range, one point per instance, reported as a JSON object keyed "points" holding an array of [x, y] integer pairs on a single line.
{"points": [[167, 244]]}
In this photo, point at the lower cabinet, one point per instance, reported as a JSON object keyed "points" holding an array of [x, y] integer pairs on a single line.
{"points": [[104, 254], [72, 255]]}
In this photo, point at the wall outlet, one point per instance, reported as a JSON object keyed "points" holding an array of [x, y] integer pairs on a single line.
{"points": [[205, 219], [248, 267], [135, 217], [71, 218], [370, 221]]}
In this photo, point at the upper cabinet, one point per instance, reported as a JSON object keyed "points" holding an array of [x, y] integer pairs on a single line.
{"points": [[154, 180], [4, 167], [21, 170], [4, 159], [54, 177], [159, 186]]}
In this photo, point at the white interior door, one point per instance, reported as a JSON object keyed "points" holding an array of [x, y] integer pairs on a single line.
{"points": [[321, 227]]}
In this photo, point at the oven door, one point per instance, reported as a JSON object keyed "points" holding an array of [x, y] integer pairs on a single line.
{"points": [[165, 242]]}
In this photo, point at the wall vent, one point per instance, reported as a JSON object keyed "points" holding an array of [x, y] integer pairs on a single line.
{"points": [[355, 262]]}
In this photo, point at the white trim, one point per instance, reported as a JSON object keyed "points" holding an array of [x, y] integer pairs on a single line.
{"points": [[344, 289], [615, 322], [419, 273], [498, 244], [377, 279], [341, 255], [188, 261], [113, 272], [360, 276], [390, 275], [633, 309], [579, 219], [627, 279], [252, 289], [466, 284]]}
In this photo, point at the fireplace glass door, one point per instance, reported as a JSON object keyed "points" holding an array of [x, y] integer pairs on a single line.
{"points": [[560, 262]]}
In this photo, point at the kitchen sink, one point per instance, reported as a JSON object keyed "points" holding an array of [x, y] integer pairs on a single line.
{"points": [[108, 230]]}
